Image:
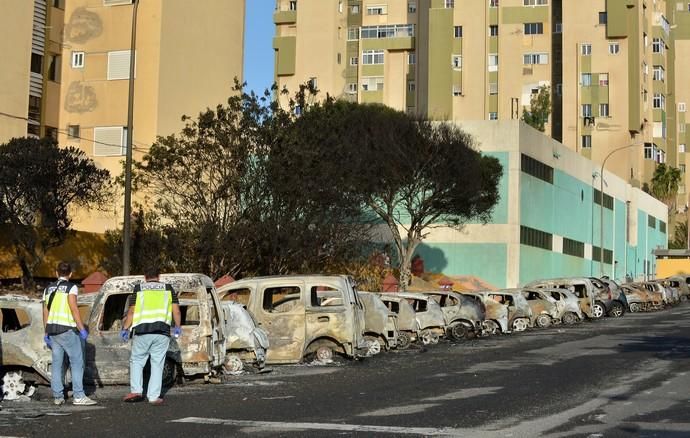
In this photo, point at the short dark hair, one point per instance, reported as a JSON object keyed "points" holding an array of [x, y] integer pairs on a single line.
{"points": [[64, 269], [152, 271]]}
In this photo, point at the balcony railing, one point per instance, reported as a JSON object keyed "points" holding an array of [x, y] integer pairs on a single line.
{"points": [[388, 31]]}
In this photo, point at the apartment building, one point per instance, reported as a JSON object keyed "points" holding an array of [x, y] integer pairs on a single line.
{"points": [[71, 75], [608, 63]]}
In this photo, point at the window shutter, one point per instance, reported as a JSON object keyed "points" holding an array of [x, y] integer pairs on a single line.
{"points": [[118, 65], [108, 141]]}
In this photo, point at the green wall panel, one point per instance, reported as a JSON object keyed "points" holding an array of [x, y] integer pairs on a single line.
{"points": [[485, 260], [440, 104], [285, 55], [520, 14]]}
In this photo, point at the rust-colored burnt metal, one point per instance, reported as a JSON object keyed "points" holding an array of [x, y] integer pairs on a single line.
{"points": [[496, 313], [316, 315], [464, 316]]}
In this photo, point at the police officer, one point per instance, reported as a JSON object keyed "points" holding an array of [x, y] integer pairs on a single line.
{"points": [[65, 333], [153, 305]]}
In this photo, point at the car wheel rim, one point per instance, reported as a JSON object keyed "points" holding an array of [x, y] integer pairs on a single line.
{"points": [[597, 311], [324, 353]]}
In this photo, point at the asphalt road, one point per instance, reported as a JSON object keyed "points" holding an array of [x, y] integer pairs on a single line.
{"points": [[627, 377]]}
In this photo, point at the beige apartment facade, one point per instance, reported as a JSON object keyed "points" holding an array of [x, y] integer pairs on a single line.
{"points": [[187, 54], [608, 63]]}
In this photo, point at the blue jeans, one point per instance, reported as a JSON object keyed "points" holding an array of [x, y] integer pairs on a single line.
{"points": [[144, 346], [68, 342]]}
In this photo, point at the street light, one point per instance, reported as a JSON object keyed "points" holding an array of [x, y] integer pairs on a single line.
{"points": [[127, 227], [601, 203]]}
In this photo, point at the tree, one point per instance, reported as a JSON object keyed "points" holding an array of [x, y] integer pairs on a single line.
{"points": [[540, 109], [217, 183], [680, 236], [664, 185], [39, 183], [412, 175]]}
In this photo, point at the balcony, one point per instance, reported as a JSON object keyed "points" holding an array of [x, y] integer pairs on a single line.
{"points": [[285, 17]]}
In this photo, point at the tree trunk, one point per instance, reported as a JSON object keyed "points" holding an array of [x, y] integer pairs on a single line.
{"points": [[28, 283], [405, 253]]}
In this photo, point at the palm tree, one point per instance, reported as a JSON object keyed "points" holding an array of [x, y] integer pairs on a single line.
{"points": [[664, 185]]}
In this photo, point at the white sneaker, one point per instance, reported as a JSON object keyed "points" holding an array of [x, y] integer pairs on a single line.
{"points": [[84, 401], [58, 401]]}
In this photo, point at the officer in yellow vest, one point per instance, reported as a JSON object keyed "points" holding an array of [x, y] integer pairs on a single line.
{"points": [[153, 306], [65, 333]]}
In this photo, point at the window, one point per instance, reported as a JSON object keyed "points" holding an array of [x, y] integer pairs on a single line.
{"points": [[411, 7], [77, 59], [586, 142], [493, 62], [411, 86], [281, 299], [651, 221], [354, 60], [457, 31], [312, 82], [648, 151], [352, 33], [54, 68], [493, 88], [573, 247], [493, 116], [558, 27], [559, 89], [450, 4], [351, 88], [36, 63], [539, 239], [354, 9], [13, 319], [608, 199], [73, 131], [109, 141], [51, 132], [659, 101], [585, 49], [377, 10], [493, 3], [603, 79], [586, 110], [493, 30], [456, 62], [603, 110], [118, 65], [586, 79], [457, 91], [535, 58], [412, 58], [536, 168], [535, 2], [534, 28], [372, 83], [60, 4], [681, 147], [681, 167], [293, 5], [372, 57], [602, 18], [658, 73], [681, 107], [34, 110], [681, 127], [657, 45], [614, 48]]}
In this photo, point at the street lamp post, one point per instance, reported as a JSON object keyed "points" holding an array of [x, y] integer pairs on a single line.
{"points": [[601, 203], [127, 226]]}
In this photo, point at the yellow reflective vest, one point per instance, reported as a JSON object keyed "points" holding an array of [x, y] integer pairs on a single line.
{"points": [[60, 317], [153, 304]]}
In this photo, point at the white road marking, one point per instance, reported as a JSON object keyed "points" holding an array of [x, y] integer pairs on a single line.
{"points": [[466, 393], [284, 426], [399, 410]]}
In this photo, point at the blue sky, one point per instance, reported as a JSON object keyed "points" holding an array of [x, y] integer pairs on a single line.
{"points": [[258, 44]]}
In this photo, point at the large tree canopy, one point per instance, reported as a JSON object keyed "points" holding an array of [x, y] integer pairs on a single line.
{"points": [[217, 188], [39, 182], [414, 175]]}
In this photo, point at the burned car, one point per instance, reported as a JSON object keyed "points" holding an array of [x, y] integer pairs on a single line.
{"points": [[304, 315], [406, 319], [495, 316], [463, 315], [380, 324], [545, 309], [246, 343], [25, 357], [571, 305], [583, 288], [520, 315], [200, 349], [429, 316]]}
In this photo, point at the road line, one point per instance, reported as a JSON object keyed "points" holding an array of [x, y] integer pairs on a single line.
{"points": [[284, 426]]}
